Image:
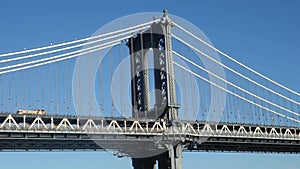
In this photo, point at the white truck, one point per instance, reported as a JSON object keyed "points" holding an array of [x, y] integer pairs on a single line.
{"points": [[32, 112]]}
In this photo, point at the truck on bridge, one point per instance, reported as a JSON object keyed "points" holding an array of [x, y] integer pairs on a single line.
{"points": [[32, 112]]}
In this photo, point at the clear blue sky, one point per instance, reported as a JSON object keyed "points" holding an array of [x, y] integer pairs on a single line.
{"points": [[263, 34]]}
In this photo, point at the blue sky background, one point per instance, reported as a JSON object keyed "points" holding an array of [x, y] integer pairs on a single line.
{"points": [[263, 34]]}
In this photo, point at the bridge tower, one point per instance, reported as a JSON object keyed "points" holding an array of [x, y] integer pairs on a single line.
{"points": [[157, 38]]}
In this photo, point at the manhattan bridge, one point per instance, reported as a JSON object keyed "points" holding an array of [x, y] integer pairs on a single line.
{"points": [[149, 91]]}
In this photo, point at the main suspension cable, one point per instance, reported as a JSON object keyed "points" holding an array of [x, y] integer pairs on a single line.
{"points": [[234, 71], [234, 60], [62, 55], [69, 47], [236, 86], [236, 95], [57, 60], [80, 40]]}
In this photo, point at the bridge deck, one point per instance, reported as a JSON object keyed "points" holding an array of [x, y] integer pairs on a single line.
{"points": [[56, 132]]}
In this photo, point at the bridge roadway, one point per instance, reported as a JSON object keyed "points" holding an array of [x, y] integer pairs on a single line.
{"points": [[131, 136]]}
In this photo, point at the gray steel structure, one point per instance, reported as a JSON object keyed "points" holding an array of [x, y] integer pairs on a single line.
{"points": [[128, 136], [152, 135], [158, 38]]}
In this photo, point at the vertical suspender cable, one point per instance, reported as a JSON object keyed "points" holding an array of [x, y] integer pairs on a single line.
{"points": [[37, 88], [194, 104], [90, 94], [277, 116], [13, 96], [56, 89], [11, 93], [184, 91], [227, 111], [68, 89], [80, 95], [120, 87], [264, 112], [233, 115], [63, 90], [17, 91], [1, 101], [192, 91], [101, 88], [124, 108], [43, 87], [24, 88], [257, 109], [248, 107], [272, 115], [110, 80], [236, 110], [9, 88], [52, 87], [30, 91], [202, 98]]}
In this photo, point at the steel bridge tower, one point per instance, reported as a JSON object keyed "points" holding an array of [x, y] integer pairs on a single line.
{"points": [[157, 38]]}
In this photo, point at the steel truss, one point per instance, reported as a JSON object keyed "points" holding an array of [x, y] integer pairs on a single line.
{"points": [[28, 132]]}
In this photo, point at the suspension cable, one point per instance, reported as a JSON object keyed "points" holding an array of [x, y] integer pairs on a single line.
{"points": [[62, 55], [232, 70], [234, 60], [67, 48], [80, 40], [57, 60], [236, 86], [236, 95]]}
